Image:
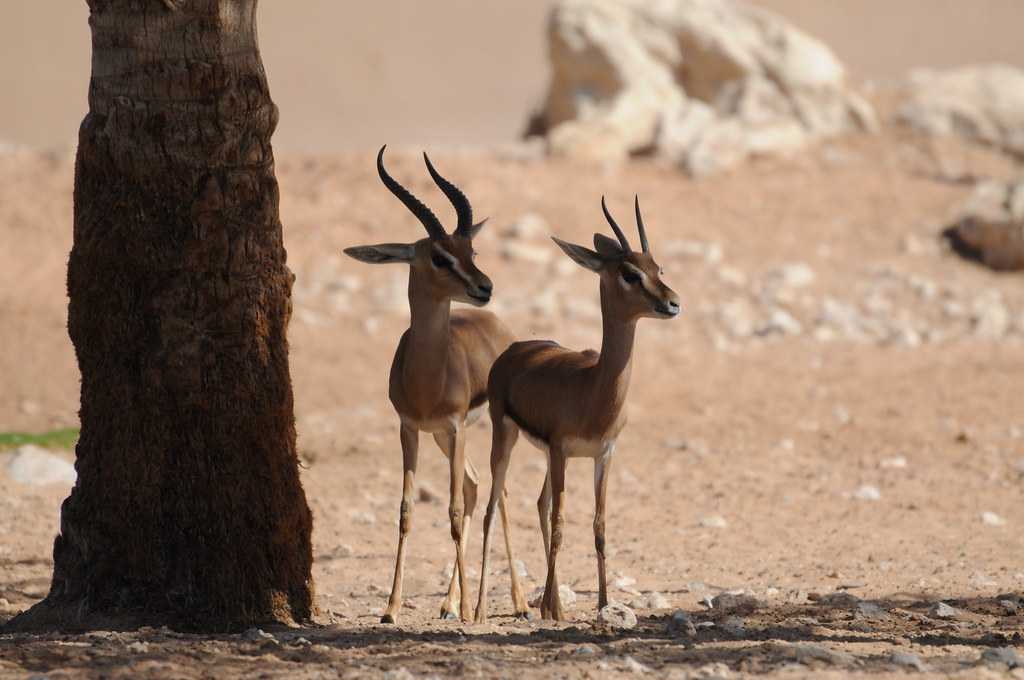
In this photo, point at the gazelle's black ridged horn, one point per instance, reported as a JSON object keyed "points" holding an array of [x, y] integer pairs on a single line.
{"points": [[615, 227], [640, 226], [463, 209], [423, 214]]}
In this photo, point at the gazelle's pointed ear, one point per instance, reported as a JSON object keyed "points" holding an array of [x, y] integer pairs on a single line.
{"points": [[584, 257], [383, 253], [475, 229], [607, 247]]}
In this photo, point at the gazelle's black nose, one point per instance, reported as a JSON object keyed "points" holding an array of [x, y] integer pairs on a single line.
{"points": [[486, 287]]}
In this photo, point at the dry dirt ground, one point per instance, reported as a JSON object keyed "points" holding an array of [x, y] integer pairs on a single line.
{"points": [[853, 447]]}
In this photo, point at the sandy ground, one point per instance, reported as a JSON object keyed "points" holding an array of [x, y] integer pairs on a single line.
{"points": [[788, 467]]}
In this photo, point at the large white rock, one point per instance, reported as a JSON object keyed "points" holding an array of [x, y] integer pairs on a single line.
{"points": [[983, 103], [31, 464], [705, 82]]}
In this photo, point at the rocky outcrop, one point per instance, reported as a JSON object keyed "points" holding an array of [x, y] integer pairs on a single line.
{"points": [[981, 103], [703, 82]]}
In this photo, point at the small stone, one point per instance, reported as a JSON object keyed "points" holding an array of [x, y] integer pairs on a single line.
{"points": [[841, 415], [586, 650], [737, 316], [33, 465], [1011, 607], [529, 225], [400, 673], [735, 603], [713, 522], [908, 660], [425, 493], [734, 625], [623, 581], [870, 610], [840, 599], [617, 616], [992, 519], [257, 635], [1005, 656], [521, 570], [634, 666], [362, 517], [804, 652], [867, 492], [781, 322], [566, 594], [941, 610], [138, 647], [680, 624], [792, 275], [896, 462], [525, 252]]}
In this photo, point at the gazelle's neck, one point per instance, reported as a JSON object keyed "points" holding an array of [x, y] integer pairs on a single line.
{"points": [[616, 361], [428, 341]]}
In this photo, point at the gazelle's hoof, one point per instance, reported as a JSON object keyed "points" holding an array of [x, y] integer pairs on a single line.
{"points": [[448, 615], [525, 615], [387, 618]]}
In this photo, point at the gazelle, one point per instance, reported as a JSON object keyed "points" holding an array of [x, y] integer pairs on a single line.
{"points": [[570, 404], [439, 374]]}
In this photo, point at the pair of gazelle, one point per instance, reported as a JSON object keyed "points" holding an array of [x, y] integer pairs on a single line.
{"points": [[448, 365]]}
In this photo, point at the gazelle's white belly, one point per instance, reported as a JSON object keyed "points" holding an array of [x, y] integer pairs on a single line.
{"points": [[574, 447], [449, 424]]}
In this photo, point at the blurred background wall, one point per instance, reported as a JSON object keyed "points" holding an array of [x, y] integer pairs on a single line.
{"points": [[448, 72]]}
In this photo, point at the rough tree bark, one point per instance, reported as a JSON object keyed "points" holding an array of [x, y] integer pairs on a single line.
{"points": [[188, 508]]}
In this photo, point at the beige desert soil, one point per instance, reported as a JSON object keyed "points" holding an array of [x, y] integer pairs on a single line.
{"points": [[785, 466]]}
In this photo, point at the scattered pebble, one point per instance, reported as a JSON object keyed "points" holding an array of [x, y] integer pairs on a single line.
{"points": [[362, 517], [30, 464], [681, 624], [894, 463], [735, 603], [257, 635], [870, 610], [804, 652], [138, 647], [908, 660], [992, 519], [867, 493], [623, 581], [586, 650], [566, 594], [400, 673], [941, 610], [1005, 656], [734, 625], [713, 522], [426, 493], [634, 666], [617, 616]]}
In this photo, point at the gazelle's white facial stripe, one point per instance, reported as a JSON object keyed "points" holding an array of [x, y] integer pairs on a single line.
{"points": [[456, 267]]}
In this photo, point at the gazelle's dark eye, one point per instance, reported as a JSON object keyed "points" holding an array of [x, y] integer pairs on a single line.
{"points": [[440, 262], [630, 277]]}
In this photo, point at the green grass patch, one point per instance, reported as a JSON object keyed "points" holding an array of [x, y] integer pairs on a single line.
{"points": [[64, 438]]}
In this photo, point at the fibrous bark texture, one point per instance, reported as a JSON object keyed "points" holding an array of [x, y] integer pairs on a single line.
{"points": [[188, 507]]}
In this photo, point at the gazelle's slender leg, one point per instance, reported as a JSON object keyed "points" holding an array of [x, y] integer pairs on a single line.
{"points": [[454, 444], [520, 608], [544, 511], [552, 605], [470, 489], [410, 449], [601, 466], [503, 438]]}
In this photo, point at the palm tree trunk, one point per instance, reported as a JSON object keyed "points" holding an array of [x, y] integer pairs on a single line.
{"points": [[188, 508]]}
